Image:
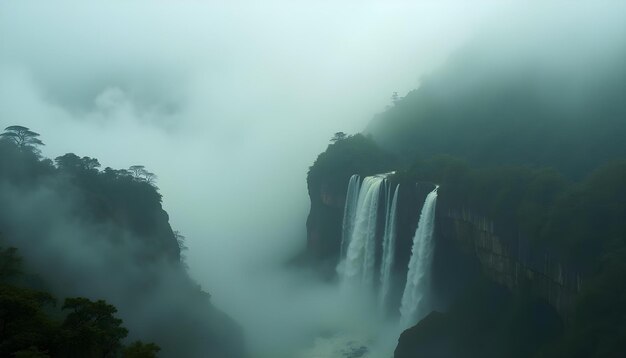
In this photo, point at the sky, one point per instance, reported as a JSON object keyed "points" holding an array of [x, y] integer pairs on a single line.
{"points": [[229, 103]]}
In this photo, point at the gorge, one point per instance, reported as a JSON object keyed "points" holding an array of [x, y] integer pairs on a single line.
{"points": [[282, 179]]}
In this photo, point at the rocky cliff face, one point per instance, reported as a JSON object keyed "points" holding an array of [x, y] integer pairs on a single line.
{"points": [[467, 244], [499, 299], [327, 181], [324, 229], [507, 261]]}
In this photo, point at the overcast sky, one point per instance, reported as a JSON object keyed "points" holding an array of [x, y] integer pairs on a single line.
{"points": [[227, 103]]}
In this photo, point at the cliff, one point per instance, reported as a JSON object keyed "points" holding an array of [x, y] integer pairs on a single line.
{"points": [[103, 234], [487, 321], [324, 229], [476, 244], [507, 260], [327, 182]]}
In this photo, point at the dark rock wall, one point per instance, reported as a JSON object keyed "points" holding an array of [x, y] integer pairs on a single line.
{"points": [[468, 244], [506, 260], [324, 226]]}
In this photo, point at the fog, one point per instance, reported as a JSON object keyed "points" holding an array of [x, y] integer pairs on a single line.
{"points": [[74, 258], [229, 104]]}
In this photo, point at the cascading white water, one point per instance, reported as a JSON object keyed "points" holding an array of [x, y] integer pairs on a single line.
{"points": [[357, 269], [389, 246], [349, 213], [416, 291]]}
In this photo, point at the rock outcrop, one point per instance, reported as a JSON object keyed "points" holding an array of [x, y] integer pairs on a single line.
{"points": [[507, 260]]}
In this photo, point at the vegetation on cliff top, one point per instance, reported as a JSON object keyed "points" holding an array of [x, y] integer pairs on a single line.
{"points": [[535, 115], [345, 156], [93, 235]]}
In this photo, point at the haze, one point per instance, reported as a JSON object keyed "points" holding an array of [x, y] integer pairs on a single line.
{"points": [[229, 104]]}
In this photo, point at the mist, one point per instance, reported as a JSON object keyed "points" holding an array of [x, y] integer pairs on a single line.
{"points": [[229, 104], [76, 258]]}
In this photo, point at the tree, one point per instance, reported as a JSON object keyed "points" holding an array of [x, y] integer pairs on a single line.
{"points": [[137, 170], [91, 328], [90, 163], [338, 136], [113, 174], [138, 349], [71, 162], [10, 263], [31, 352], [182, 247], [140, 172], [149, 177], [23, 322], [22, 136], [395, 98], [180, 238]]}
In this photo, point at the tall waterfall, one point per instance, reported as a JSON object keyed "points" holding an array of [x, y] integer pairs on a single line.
{"points": [[357, 268], [417, 287], [389, 246], [349, 212]]}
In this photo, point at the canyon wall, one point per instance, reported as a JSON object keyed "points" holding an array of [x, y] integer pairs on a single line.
{"points": [[507, 260]]}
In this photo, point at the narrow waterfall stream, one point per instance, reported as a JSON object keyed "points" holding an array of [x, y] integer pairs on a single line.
{"points": [[349, 213], [389, 246], [415, 296]]}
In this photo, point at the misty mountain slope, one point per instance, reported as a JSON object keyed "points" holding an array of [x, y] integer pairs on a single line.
{"points": [[542, 154], [104, 235], [529, 153], [490, 109]]}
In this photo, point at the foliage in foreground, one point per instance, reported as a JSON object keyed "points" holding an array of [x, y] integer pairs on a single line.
{"points": [[32, 326]]}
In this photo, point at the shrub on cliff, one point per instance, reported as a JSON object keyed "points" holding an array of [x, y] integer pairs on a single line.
{"points": [[356, 154]]}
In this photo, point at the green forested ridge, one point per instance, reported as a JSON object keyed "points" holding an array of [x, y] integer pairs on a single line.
{"points": [[541, 155], [74, 231], [532, 115], [124, 199]]}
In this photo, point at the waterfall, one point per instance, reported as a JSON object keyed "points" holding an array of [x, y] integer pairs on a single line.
{"points": [[389, 246], [357, 268], [416, 291], [349, 213]]}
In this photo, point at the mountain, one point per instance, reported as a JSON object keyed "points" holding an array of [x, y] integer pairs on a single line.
{"points": [[88, 234], [530, 239]]}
